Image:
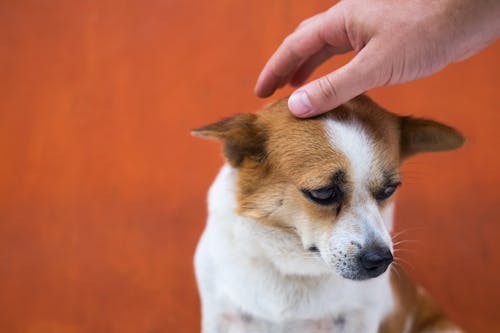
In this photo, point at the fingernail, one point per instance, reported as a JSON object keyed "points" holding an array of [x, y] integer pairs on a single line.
{"points": [[299, 103]]}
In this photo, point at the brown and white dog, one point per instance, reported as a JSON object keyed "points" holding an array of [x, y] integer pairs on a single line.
{"points": [[298, 233]]}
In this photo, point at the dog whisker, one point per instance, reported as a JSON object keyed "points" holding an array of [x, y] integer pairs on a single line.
{"points": [[404, 231], [402, 250], [396, 270], [400, 261], [406, 241]]}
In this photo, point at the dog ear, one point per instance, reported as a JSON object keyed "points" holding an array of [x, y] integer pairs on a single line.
{"points": [[242, 136], [422, 135]]}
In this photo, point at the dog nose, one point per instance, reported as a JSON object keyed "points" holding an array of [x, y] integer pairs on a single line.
{"points": [[376, 260]]}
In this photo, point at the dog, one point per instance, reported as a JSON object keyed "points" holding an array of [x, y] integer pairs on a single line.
{"points": [[299, 221]]}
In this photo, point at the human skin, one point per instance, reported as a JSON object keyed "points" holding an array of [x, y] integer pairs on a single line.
{"points": [[395, 41]]}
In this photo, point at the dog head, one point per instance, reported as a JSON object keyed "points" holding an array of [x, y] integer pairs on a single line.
{"points": [[329, 180]]}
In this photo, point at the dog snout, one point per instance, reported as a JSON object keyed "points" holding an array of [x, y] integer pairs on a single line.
{"points": [[375, 260]]}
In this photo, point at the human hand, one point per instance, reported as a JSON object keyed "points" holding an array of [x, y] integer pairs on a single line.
{"points": [[395, 41]]}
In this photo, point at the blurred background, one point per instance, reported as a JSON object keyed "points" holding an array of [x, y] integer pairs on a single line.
{"points": [[102, 188]]}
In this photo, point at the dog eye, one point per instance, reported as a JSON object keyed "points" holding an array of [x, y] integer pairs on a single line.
{"points": [[324, 196], [387, 192]]}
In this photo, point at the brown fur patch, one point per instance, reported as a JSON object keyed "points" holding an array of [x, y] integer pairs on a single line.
{"points": [[299, 156]]}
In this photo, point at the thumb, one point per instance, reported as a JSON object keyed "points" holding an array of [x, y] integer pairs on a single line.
{"points": [[360, 74]]}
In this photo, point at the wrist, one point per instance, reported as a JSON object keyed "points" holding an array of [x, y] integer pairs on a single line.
{"points": [[475, 25]]}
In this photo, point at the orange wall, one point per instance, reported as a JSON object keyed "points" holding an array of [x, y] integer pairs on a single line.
{"points": [[102, 190]]}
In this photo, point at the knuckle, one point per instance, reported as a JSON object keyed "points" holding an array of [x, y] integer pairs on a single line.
{"points": [[326, 89], [289, 40], [304, 23], [291, 51]]}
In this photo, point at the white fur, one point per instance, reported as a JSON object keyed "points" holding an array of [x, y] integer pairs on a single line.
{"points": [[244, 289], [365, 215], [355, 144]]}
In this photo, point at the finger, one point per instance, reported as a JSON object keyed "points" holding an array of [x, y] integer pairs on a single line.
{"points": [[294, 50], [308, 67], [308, 21], [284, 80], [363, 72], [307, 40]]}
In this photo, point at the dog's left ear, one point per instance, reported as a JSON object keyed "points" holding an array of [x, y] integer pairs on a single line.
{"points": [[422, 135], [242, 137]]}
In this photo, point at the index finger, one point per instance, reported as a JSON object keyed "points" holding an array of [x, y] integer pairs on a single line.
{"points": [[297, 47], [293, 51]]}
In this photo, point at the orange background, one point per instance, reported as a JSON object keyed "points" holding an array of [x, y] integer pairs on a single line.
{"points": [[102, 189]]}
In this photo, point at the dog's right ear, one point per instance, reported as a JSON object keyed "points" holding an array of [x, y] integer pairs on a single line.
{"points": [[242, 137], [419, 135]]}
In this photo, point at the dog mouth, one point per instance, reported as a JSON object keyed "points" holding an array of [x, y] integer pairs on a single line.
{"points": [[314, 249], [364, 274]]}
